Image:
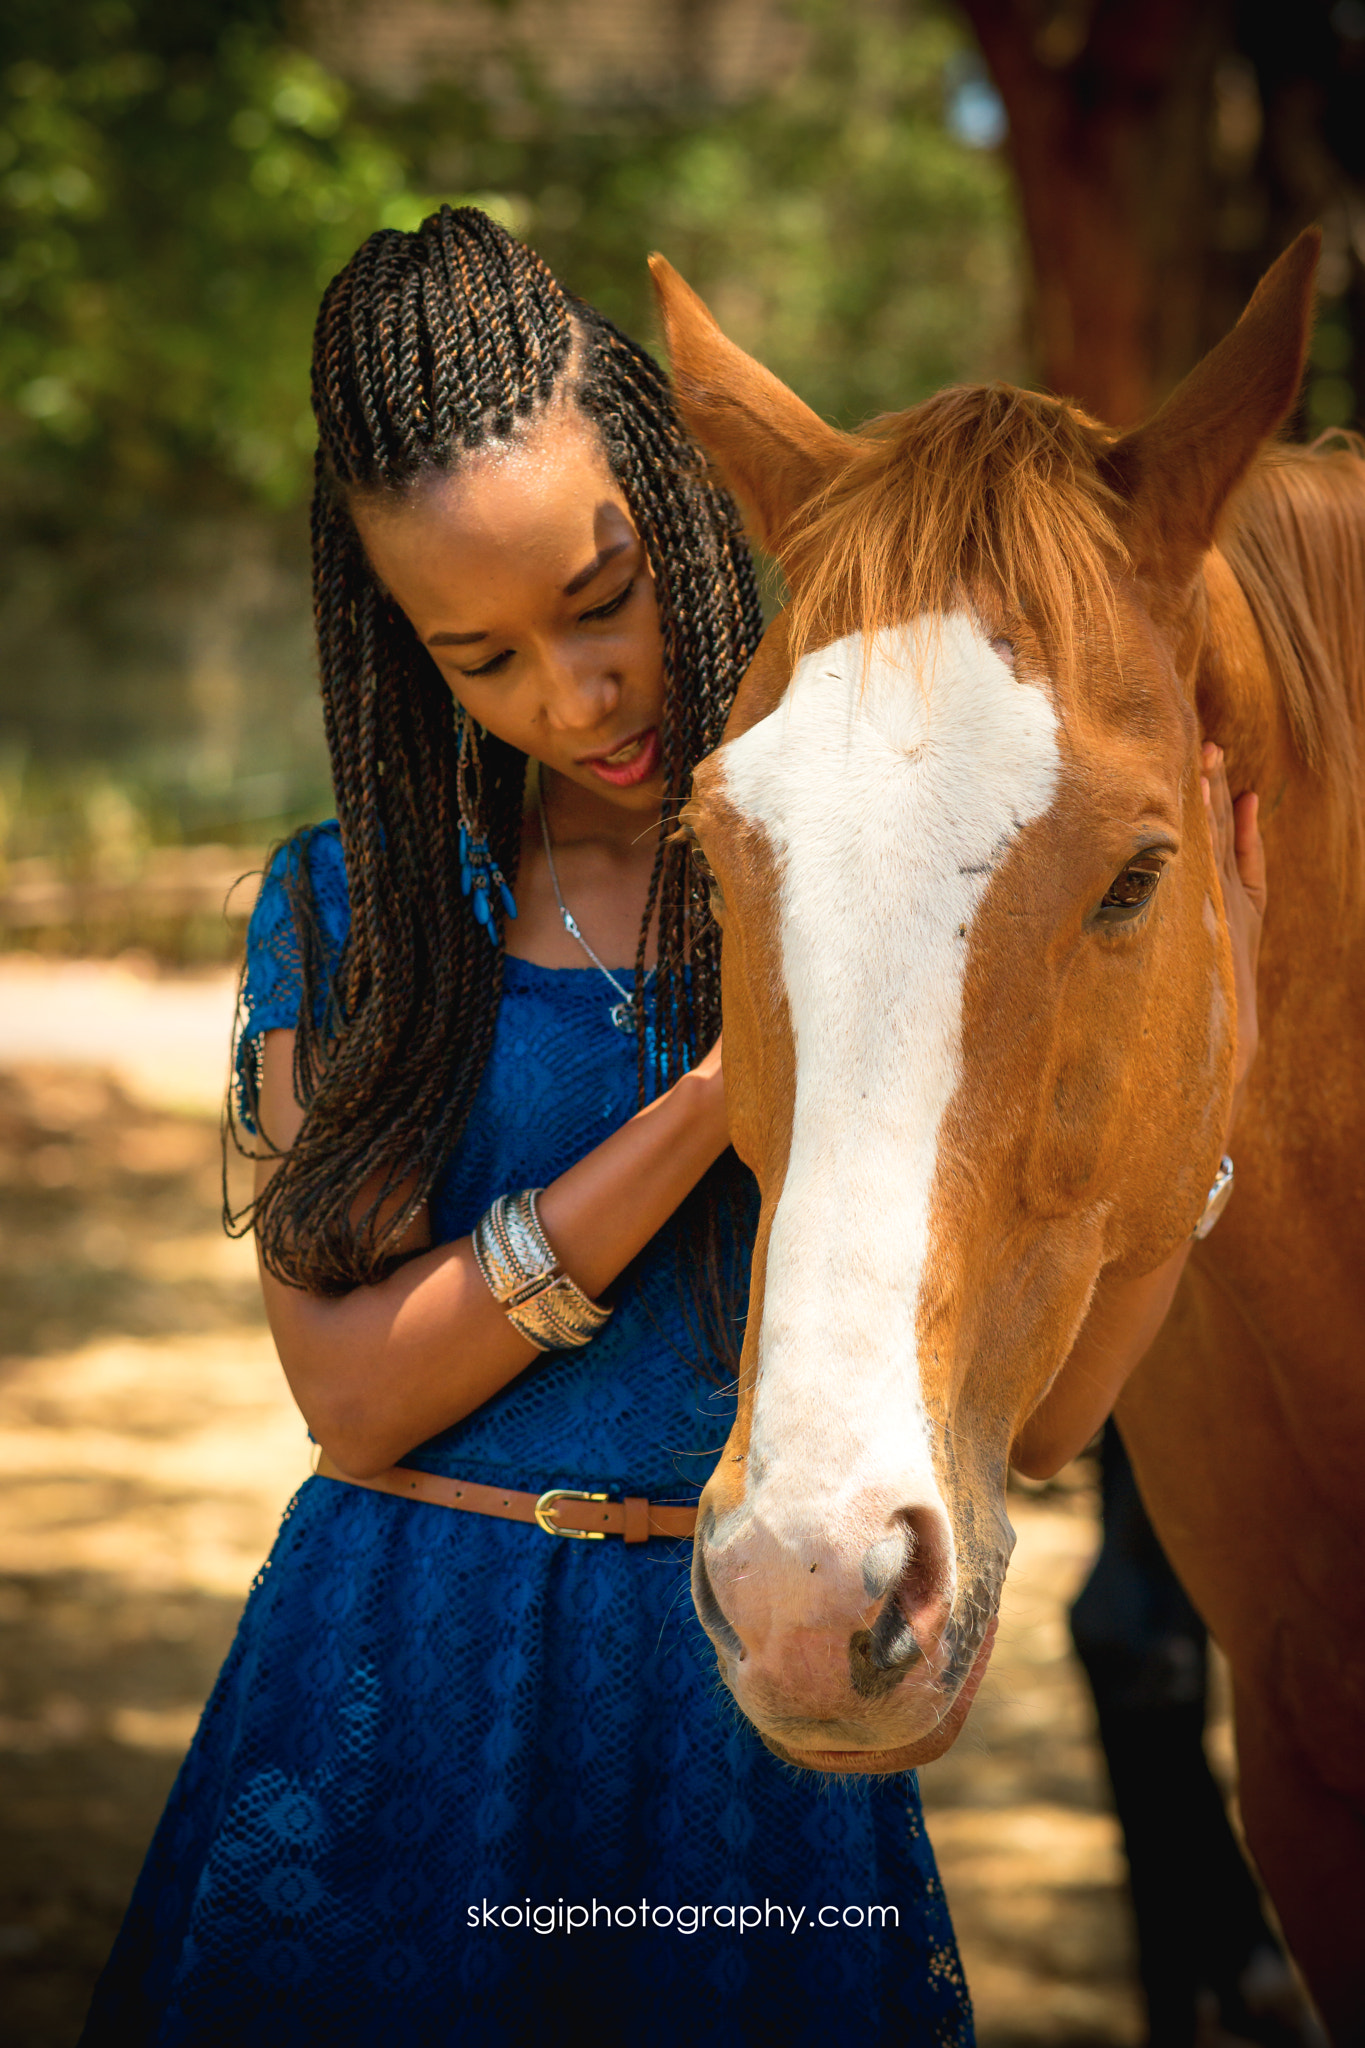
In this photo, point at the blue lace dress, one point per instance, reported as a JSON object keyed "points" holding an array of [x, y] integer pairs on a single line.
{"points": [[436, 1732]]}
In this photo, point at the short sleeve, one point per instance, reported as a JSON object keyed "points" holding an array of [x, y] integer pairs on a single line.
{"points": [[272, 984]]}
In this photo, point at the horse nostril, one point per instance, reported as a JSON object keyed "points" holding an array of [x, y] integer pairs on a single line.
{"points": [[875, 1667], [884, 1563], [916, 1607], [710, 1613], [926, 1584]]}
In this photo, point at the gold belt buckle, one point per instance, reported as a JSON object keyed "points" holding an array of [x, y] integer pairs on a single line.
{"points": [[547, 1501]]}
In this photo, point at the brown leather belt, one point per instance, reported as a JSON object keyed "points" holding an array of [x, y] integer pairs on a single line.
{"points": [[559, 1512]]}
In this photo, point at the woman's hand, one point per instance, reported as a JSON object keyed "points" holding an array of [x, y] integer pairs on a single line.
{"points": [[385, 1367], [1240, 853], [1125, 1315]]}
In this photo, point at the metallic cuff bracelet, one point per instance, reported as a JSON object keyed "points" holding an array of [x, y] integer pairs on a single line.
{"points": [[523, 1274], [1217, 1201]]}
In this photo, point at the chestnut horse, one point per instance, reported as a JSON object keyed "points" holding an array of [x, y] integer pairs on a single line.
{"points": [[979, 1015]]}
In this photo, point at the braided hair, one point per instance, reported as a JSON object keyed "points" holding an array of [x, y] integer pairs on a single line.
{"points": [[427, 345]]}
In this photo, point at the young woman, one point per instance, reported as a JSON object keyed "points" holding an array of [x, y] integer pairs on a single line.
{"points": [[466, 1772]]}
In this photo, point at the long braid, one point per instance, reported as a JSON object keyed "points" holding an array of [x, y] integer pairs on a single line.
{"points": [[709, 605], [427, 345]]}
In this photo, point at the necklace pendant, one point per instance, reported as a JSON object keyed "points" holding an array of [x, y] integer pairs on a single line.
{"points": [[622, 1014]]}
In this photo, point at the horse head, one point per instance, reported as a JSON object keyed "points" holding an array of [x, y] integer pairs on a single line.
{"points": [[977, 988]]}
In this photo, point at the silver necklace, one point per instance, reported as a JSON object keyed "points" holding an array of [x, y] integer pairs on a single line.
{"points": [[623, 1013]]}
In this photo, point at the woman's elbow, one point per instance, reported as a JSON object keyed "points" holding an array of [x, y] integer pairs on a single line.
{"points": [[350, 1439], [340, 1416]]}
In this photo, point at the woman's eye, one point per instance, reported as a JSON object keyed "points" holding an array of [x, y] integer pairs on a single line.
{"points": [[490, 668], [612, 605], [1130, 891], [599, 611]]}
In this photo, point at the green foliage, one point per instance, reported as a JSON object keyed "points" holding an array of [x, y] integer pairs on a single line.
{"points": [[1330, 398], [178, 182], [835, 225], [170, 208]]}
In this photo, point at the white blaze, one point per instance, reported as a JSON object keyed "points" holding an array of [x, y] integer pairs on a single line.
{"points": [[889, 781]]}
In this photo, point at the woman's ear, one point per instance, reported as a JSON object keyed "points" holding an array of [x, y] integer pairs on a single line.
{"points": [[774, 453]]}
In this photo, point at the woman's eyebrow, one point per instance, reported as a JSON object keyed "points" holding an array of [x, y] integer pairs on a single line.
{"points": [[599, 561], [571, 589]]}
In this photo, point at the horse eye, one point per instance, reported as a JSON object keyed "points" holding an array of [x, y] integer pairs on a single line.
{"points": [[1130, 891]]}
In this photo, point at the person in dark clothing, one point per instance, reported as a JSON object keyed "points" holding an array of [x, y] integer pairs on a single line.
{"points": [[1206, 1952]]}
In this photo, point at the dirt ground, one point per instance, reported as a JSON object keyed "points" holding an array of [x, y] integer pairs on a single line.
{"points": [[151, 1446]]}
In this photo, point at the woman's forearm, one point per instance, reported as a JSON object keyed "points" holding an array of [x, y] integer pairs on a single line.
{"points": [[385, 1367]]}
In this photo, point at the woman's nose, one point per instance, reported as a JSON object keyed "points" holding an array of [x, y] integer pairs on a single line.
{"points": [[578, 690]]}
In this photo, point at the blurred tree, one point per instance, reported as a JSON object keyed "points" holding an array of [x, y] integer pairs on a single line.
{"points": [[180, 178], [1165, 154], [176, 184], [838, 223]]}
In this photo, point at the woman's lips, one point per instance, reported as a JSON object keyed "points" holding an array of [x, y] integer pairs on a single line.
{"points": [[635, 760]]}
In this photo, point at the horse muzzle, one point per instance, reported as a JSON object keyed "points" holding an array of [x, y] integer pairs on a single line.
{"points": [[839, 1643]]}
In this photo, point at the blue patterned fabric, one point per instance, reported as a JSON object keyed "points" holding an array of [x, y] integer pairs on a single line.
{"points": [[432, 1724]]}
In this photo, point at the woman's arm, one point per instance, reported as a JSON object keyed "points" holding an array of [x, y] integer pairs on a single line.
{"points": [[1125, 1315], [385, 1367]]}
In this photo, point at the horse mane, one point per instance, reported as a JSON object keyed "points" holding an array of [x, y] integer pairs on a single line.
{"points": [[991, 491], [982, 488], [1295, 541]]}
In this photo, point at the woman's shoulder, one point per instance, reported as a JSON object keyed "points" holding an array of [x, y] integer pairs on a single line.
{"points": [[317, 845], [316, 851], [305, 877]]}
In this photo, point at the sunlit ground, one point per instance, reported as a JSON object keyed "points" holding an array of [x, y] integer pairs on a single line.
{"points": [[151, 1446]]}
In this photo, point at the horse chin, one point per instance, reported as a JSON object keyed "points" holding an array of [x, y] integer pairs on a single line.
{"points": [[881, 1763]]}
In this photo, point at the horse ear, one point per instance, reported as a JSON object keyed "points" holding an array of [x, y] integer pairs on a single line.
{"points": [[1178, 471], [772, 450]]}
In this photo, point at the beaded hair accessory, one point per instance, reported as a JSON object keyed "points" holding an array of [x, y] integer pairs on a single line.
{"points": [[479, 872]]}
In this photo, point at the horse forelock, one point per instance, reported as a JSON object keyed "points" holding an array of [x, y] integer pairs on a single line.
{"points": [[985, 495], [996, 499]]}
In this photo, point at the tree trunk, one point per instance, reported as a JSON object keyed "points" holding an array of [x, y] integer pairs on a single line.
{"points": [[1108, 108], [1166, 152]]}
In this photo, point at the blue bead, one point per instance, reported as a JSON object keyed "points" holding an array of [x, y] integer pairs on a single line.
{"points": [[480, 906], [509, 901], [466, 878], [464, 845]]}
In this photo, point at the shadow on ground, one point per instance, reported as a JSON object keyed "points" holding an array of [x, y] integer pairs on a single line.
{"points": [[152, 1446], [102, 1693], [108, 1218]]}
